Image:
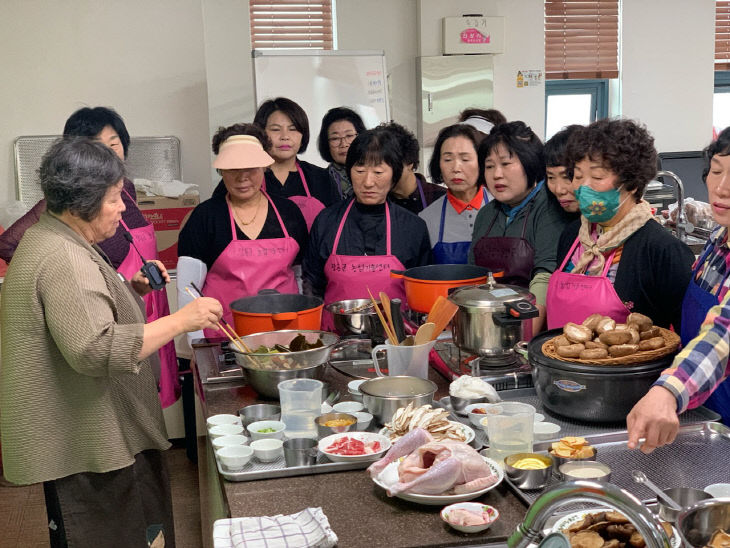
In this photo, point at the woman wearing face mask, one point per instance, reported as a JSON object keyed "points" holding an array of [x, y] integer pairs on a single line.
{"points": [[616, 258], [451, 218], [517, 232], [339, 128], [355, 244]]}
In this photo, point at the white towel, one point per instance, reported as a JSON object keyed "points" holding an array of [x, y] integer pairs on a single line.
{"points": [[306, 529]]}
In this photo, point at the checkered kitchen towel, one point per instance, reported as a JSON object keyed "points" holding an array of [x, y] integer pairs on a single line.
{"points": [[306, 529]]}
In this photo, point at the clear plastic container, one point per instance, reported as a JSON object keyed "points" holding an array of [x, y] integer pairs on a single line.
{"points": [[301, 403]]}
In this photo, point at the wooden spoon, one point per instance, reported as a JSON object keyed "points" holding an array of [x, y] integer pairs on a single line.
{"points": [[441, 313], [386, 328], [385, 300], [424, 333]]}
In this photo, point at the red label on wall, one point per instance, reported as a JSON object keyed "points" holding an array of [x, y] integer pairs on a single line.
{"points": [[473, 36]]}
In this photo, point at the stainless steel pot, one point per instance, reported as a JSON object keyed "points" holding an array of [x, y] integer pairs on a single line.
{"points": [[364, 323], [590, 393], [492, 318], [384, 395]]}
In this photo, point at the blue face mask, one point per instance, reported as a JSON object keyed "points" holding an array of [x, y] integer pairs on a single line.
{"points": [[597, 207]]}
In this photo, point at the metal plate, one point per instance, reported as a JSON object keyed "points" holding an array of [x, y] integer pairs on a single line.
{"points": [[697, 458]]}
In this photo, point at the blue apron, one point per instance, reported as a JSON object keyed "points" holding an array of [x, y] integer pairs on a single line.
{"points": [[697, 302], [452, 252]]}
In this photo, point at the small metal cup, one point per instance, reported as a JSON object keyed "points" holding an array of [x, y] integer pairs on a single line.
{"points": [[300, 452]]}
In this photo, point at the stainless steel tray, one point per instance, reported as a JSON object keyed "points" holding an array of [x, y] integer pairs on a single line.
{"points": [[255, 470], [697, 458]]}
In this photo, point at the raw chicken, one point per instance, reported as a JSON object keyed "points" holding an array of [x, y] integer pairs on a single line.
{"points": [[462, 516], [435, 468]]}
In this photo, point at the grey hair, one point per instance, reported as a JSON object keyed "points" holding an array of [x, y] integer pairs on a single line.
{"points": [[76, 173]]}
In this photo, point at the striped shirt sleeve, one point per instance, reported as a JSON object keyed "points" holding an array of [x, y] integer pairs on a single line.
{"points": [[703, 364]]}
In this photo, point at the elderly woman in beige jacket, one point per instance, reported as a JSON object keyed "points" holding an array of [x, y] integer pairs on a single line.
{"points": [[78, 401]]}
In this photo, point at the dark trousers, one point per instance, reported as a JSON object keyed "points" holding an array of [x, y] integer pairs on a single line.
{"points": [[124, 508]]}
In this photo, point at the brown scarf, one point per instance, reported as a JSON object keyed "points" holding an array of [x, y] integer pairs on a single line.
{"points": [[609, 240]]}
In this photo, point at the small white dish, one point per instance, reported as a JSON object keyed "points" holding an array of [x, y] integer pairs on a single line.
{"points": [[539, 417], [348, 407], [356, 396], [492, 512], [364, 437], [475, 417], [325, 408], [215, 420], [267, 450], [235, 457], [718, 490], [363, 420], [354, 386], [225, 430], [545, 430], [261, 430], [227, 441]]}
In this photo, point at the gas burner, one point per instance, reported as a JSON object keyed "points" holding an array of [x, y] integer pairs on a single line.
{"points": [[495, 363]]}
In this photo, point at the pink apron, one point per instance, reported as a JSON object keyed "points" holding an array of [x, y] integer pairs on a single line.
{"points": [[574, 297], [156, 306], [247, 266], [350, 276], [309, 205]]}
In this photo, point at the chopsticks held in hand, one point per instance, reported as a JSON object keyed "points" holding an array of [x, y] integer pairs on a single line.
{"points": [[223, 325]]}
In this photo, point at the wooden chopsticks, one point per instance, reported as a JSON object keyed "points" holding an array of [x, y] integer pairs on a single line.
{"points": [[224, 326], [386, 327]]}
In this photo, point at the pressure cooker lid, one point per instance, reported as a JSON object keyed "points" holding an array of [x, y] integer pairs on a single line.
{"points": [[489, 296]]}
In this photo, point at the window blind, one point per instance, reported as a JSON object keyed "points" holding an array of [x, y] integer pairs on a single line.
{"points": [[581, 39], [722, 35], [292, 24]]}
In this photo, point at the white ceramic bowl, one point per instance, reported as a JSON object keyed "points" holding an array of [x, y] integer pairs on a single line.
{"points": [[539, 417], [364, 437], [225, 430], [215, 420], [475, 417], [354, 386], [267, 450], [363, 420], [348, 407], [254, 429], [545, 430], [474, 507], [235, 457], [227, 441], [355, 396], [718, 490]]}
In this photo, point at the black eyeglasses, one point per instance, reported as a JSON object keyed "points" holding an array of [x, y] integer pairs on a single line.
{"points": [[347, 139]]}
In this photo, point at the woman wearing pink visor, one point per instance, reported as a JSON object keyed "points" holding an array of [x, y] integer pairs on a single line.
{"points": [[240, 242]]}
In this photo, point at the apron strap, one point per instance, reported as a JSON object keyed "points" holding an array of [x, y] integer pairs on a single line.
{"points": [[283, 226], [121, 221], [527, 216], [569, 254], [609, 262], [339, 228], [234, 236], [443, 218], [489, 228], [423, 196], [304, 180]]}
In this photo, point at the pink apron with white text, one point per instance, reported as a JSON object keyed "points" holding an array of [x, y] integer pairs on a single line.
{"points": [[156, 307], [309, 205], [247, 266], [574, 297], [350, 276]]}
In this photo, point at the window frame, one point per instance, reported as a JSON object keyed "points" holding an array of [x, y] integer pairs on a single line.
{"points": [[597, 89], [295, 14]]}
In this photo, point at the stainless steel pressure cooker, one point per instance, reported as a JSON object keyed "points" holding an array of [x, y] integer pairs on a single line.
{"points": [[492, 318]]}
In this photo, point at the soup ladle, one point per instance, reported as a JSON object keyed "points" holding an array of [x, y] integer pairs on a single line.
{"points": [[640, 477]]}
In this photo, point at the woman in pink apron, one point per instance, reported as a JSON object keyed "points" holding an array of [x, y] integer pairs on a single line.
{"points": [[517, 232], [354, 245], [234, 245], [339, 128], [106, 126], [307, 185], [616, 258]]}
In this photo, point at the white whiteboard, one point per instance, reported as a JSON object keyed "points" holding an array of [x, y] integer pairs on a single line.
{"points": [[321, 80]]}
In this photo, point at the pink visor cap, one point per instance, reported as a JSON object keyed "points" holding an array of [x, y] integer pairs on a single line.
{"points": [[240, 152]]}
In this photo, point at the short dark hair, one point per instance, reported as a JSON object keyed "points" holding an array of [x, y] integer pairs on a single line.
{"points": [[337, 114], [556, 145], [720, 146], [373, 147], [88, 122], [520, 141], [75, 175], [456, 130], [295, 113], [408, 143], [224, 133], [490, 115], [624, 146]]}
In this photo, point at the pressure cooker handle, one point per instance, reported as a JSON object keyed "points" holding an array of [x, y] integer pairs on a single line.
{"points": [[515, 312]]}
